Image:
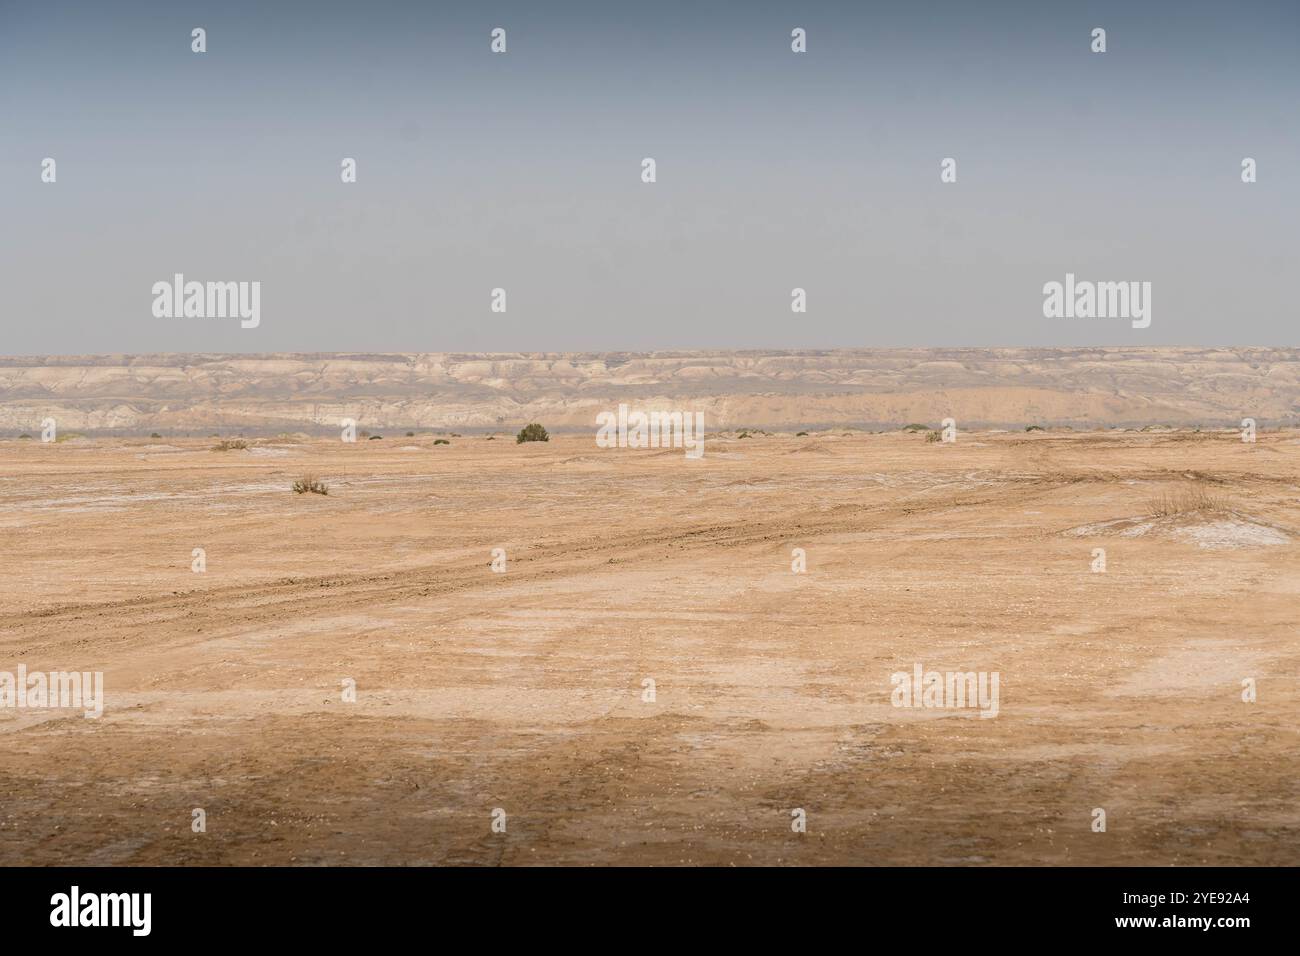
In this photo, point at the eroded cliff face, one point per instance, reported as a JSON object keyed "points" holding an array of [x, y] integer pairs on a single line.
{"points": [[978, 387]]}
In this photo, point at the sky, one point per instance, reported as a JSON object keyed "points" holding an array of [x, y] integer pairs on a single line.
{"points": [[522, 170]]}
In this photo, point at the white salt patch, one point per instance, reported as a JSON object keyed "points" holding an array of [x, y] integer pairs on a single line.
{"points": [[1137, 531], [1101, 527], [1231, 534]]}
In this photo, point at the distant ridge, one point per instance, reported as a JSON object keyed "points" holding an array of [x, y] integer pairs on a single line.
{"points": [[994, 387]]}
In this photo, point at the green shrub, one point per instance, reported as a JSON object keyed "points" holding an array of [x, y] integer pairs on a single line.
{"points": [[441, 441], [531, 432]]}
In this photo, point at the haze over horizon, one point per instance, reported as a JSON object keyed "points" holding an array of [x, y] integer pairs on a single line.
{"points": [[521, 171]]}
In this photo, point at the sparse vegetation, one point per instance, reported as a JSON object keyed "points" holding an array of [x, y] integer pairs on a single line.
{"points": [[933, 436], [154, 435], [230, 444], [1034, 428], [441, 441], [916, 428], [312, 484], [1187, 499], [743, 435], [25, 435], [531, 432]]}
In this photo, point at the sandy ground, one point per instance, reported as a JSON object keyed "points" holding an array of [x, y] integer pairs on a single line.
{"points": [[524, 690]]}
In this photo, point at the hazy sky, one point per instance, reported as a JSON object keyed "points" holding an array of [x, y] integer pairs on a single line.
{"points": [[523, 171]]}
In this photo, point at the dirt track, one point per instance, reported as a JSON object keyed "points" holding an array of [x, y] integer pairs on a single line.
{"points": [[523, 690]]}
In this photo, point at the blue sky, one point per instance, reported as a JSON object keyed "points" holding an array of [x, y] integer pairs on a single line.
{"points": [[522, 171]]}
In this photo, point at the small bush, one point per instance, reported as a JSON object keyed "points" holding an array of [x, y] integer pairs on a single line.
{"points": [[25, 435], [933, 436], [1186, 500], [1034, 428], [376, 437], [916, 428], [310, 483], [441, 441], [230, 444], [410, 434], [531, 432], [154, 435], [800, 434]]}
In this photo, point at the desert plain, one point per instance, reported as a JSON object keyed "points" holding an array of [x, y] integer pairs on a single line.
{"points": [[521, 696]]}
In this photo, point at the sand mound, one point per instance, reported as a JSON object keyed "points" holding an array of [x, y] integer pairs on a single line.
{"points": [[1214, 530], [811, 449]]}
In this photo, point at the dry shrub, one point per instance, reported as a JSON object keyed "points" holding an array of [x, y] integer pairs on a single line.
{"points": [[1187, 499], [230, 444], [310, 483]]}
